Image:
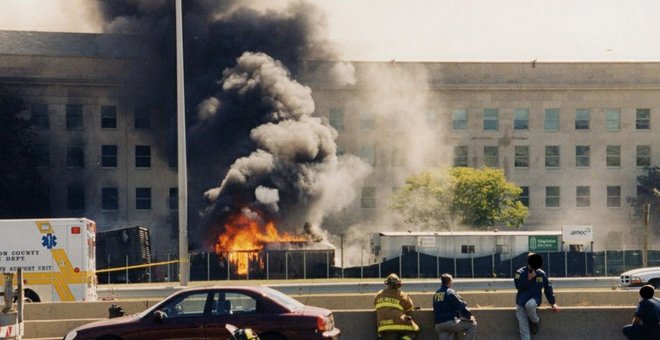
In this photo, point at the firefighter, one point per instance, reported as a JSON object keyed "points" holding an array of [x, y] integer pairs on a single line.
{"points": [[394, 312]]}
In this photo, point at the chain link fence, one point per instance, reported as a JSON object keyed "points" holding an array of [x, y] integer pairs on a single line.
{"points": [[292, 264]]}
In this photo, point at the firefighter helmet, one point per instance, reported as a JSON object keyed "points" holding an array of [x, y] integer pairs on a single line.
{"points": [[393, 281]]}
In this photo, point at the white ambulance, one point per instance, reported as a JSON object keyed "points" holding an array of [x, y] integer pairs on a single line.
{"points": [[58, 257]]}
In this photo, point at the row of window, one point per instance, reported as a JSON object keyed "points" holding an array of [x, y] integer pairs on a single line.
{"points": [[552, 156], [75, 156], [75, 118], [552, 196], [521, 119], [75, 198]]}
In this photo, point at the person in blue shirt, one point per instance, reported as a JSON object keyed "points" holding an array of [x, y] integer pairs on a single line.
{"points": [[447, 308], [530, 280], [646, 322]]}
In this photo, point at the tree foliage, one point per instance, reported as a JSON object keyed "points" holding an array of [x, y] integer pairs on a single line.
{"points": [[425, 200], [475, 197], [22, 192], [649, 184]]}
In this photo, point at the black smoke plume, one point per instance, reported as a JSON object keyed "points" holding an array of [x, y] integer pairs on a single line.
{"points": [[255, 131]]}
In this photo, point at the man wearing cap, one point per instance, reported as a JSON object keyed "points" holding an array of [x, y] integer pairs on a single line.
{"points": [[530, 280], [646, 322], [447, 306], [393, 312]]}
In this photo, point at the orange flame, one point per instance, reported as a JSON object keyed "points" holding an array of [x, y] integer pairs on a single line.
{"points": [[243, 238]]}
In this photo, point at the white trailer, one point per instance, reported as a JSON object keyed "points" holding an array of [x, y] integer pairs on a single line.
{"points": [[57, 257]]}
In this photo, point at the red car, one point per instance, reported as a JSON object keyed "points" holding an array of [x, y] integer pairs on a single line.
{"points": [[203, 312]]}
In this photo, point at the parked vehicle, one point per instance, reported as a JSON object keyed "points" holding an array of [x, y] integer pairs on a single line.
{"points": [[203, 312], [641, 276], [123, 247], [57, 255]]}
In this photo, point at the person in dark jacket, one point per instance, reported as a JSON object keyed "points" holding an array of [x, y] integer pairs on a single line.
{"points": [[448, 308], [530, 280], [646, 322]]}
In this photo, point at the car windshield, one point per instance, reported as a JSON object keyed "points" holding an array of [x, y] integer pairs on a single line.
{"points": [[283, 299]]}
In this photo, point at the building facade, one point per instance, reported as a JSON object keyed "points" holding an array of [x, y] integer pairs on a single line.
{"points": [[102, 140], [574, 136]]}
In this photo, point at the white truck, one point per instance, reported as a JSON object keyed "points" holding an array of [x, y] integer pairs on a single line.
{"points": [[57, 256], [641, 276]]}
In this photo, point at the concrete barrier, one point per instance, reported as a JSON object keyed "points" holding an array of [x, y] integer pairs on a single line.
{"points": [[601, 323], [354, 313]]}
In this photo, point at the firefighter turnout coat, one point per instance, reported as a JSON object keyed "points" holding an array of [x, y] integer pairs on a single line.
{"points": [[393, 310]]}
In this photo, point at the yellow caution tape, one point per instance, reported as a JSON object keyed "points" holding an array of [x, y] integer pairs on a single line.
{"points": [[136, 266]]}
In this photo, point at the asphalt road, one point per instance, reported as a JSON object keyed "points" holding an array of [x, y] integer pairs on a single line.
{"points": [[160, 290]]}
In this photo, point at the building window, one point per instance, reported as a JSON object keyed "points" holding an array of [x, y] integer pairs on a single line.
{"points": [[461, 156], [39, 116], [337, 119], [42, 154], [552, 197], [613, 196], [582, 156], [643, 155], [340, 149], [459, 119], [552, 156], [367, 154], [142, 156], [643, 119], [613, 157], [75, 156], [521, 119], [143, 198], [367, 121], [108, 117], [467, 249], [142, 119], [524, 196], [368, 200], [491, 157], [431, 119], [582, 119], [521, 157], [612, 120], [75, 197], [407, 249], [583, 196], [397, 158], [174, 198], [551, 120], [110, 198], [491, 120], [108, 156], [74, 117]]}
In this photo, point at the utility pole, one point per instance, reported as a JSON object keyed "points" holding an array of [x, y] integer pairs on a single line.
{"points": [[645, 244], [184, 257]]}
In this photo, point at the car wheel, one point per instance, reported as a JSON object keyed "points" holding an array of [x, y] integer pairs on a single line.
{"points": [[655, 283], [272, 336]]}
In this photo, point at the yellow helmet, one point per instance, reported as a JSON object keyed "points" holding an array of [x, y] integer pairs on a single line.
{"points": [[393, 280]]}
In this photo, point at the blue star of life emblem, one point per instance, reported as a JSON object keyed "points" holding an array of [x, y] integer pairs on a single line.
{"points": [[49, 241]]}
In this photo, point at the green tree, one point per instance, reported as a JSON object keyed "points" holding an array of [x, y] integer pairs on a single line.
{"points": [[476, 197], [649, 184], [22, 192], [425, 200], [483, 197]]}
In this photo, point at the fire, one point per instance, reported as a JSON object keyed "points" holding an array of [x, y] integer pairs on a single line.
{"points": [[243, 238]]}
